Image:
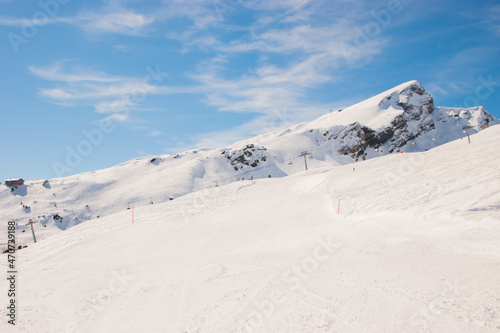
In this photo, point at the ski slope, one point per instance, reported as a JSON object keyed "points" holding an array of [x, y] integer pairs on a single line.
{"points": [[413, 247]]}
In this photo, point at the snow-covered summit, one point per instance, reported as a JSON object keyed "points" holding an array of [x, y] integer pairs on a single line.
{"points": [[379, 111], [401, 119]]}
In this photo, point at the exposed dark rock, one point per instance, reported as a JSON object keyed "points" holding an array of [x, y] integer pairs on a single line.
{"points": [[250, 155]]}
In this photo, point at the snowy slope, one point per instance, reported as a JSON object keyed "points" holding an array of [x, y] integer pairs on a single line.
{"points": [[415, 248], [401, 119]]}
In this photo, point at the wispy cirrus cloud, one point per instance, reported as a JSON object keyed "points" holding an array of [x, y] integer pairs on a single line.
{"points": [[300, 46], [276, 79], [116, 98], [107, 93], [56, 73], [80, 83], [155, 133], [269, 87], [126, 22]]}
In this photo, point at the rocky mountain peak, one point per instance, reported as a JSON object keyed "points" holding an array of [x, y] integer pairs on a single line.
{"points": [[402, 118], [413, 99]]}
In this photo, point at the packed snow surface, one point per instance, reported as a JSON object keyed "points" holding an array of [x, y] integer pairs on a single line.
{"points": [[402, 243]]}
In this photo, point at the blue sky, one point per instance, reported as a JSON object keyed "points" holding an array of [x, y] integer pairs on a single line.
{"points": [[88, 85]]}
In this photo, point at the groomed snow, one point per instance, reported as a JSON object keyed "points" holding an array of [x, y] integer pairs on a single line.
{"points": [[415, 248]]}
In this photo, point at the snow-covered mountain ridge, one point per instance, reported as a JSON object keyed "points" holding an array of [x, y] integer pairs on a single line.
{"points": [[402, 119]]}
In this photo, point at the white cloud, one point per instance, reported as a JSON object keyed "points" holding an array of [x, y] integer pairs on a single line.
{"points": [[118, 117], [77, 83], [56, 73], [126, 22], [123, 48], [294, 5], [115, 106], [114, 95], [56, 94], [155, 133], [118, 21], [270, 88]]}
